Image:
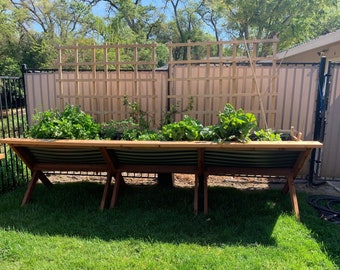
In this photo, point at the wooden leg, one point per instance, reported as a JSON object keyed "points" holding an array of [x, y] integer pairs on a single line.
{"points": [[118, 180], [44, 179], [30, 187], [293, 197], [196, 194], [106, 190], [205, 188], [285, 188]]}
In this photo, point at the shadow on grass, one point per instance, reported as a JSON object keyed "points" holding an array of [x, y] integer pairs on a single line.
{"points": [[324, 232], [147, 212]]}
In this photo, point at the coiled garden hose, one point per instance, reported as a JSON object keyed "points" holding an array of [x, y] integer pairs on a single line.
{"points": [[325, 205]]}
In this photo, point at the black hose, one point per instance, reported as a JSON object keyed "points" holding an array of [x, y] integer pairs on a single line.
{"points": [[325, 204]]}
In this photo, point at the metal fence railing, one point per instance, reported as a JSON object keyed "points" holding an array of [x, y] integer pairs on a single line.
{"points": [[13, 120]]}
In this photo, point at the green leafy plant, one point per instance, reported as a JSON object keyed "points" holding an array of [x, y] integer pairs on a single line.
{"points": [[151, 135], [72, 123], [117, 130], [265, 135], [137, 115], [234, 125], [188, 129], [169, 116], [128, 129]]}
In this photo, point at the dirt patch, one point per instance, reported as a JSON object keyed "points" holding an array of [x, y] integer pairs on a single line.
{"points": [[331, 188]]}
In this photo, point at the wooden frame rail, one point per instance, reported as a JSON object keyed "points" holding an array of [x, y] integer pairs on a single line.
{"points": [[202, 159]]}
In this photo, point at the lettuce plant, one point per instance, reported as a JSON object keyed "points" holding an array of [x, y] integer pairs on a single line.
{"points": [[72, 123]]}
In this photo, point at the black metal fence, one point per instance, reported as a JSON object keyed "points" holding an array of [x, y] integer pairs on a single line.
{"points": [[13, 120]]}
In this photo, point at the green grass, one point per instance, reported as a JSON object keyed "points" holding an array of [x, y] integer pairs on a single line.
{"points": [[155, 228]]}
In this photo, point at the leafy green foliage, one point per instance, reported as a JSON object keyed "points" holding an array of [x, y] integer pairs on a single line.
{"points": [[47, 23], [186, 130], [137, 115], [72, 123], [169, 116], [133, 128], [234, 125], [265, 135], [137, 126], [151, 135], [117, 130]]}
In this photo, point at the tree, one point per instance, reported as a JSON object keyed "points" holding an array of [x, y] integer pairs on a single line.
{"points": [[57, 20], [41, 25], [212, 16], [9, 41], [132, 19], [293, 21], [326, 20], [186, 26]]}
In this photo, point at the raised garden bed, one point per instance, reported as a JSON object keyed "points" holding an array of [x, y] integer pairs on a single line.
{"points": [[201, 158], [72, 141]]}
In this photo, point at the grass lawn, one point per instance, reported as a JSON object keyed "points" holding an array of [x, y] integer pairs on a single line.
{"points": [[154, 227]]}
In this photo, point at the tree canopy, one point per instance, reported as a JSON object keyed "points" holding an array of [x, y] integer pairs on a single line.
{"points": [[30, 29]]}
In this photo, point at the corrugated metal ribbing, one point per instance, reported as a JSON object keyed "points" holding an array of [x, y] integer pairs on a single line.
{"points": [[77, 156], [150, 157], [43, 93], [251, 159], [331, 151], [296, 86]]}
